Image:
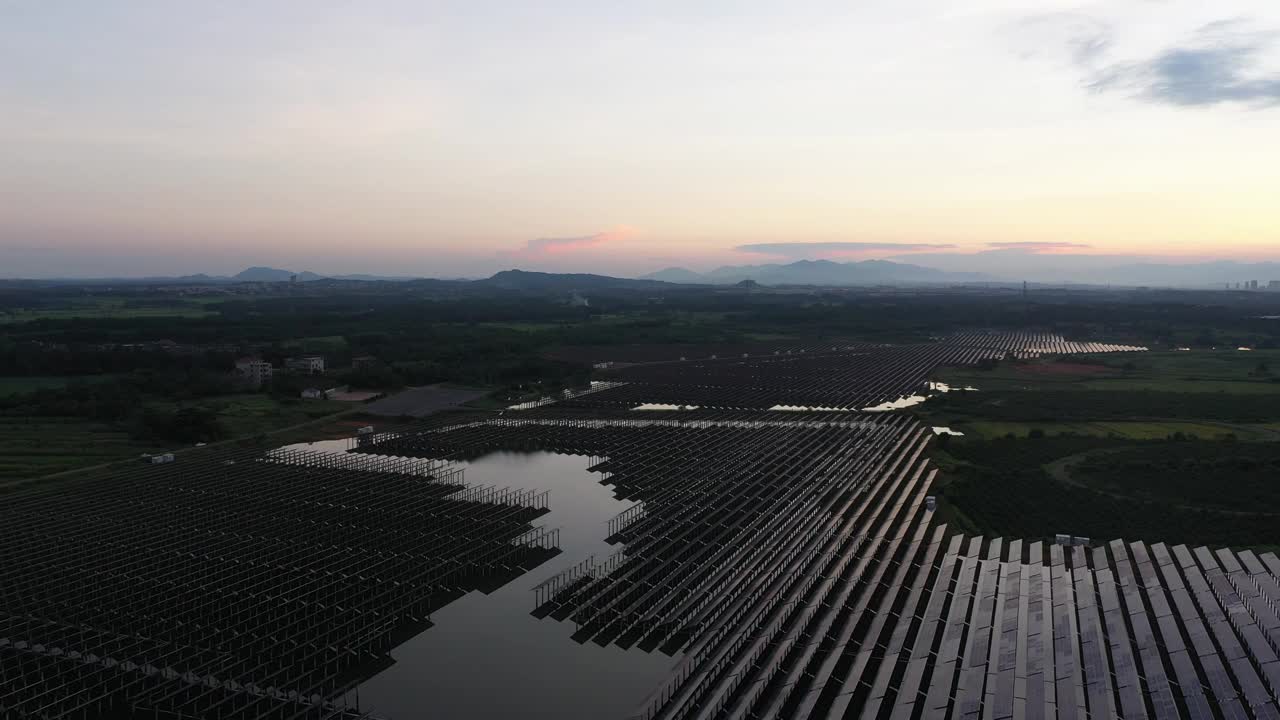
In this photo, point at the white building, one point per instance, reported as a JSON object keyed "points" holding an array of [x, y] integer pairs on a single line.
{"points": [[312, 364], [254, 371], [323, 393]]}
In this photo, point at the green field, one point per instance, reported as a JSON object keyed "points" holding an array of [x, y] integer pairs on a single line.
{"points": [[320, 345], [15, 385], [249, 415], [1213, 371], [100, 308], [522, 326], [1147, 431], [31, 447], [1136, 430]]}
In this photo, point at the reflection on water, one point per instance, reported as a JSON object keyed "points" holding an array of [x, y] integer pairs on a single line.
{"points": [[487, 657], [898, 404], [911, 400], [566, 394], [328, 446]]}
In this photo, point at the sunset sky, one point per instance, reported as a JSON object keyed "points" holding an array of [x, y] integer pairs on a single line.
{"points": [[412, 137]]}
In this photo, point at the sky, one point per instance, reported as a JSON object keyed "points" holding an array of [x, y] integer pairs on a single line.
{"points": [[443, 139]]}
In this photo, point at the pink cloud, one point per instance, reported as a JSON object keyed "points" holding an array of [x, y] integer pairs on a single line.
{"points": [[1035, 247], [541, 247], [825, 250]]}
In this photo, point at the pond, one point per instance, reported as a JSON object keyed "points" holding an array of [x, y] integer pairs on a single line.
{"points": [[487, 657]]}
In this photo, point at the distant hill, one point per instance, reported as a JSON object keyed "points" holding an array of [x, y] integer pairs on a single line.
{"points": [[820, 272], [268, 274], [676, 275], [1093, 269], [566, 282], [1205, 274]]}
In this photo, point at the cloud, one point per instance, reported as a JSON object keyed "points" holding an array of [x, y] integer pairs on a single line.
{"points": [[1083, 38], [820, 249], [541, 247], [1035, 247], [1220, 63]]}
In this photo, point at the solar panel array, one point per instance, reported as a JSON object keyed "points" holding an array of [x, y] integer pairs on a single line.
{"points": [[832, 377], [238, 584], [1033, 344], [791, 563]]}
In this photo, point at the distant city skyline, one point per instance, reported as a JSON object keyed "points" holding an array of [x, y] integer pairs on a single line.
{"points": [[448, 139]]}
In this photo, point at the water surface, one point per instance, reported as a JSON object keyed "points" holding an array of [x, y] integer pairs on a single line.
{"points": [[487, 657]]}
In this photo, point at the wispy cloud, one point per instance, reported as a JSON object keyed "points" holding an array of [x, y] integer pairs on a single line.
{"points": [[541, 247], [802, 250], [1220, 64], [1035, 247], [1081, 37]]}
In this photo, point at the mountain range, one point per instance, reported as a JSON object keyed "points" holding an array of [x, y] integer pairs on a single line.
{"points": [[941, 269], [526, 280], [267, 274]]}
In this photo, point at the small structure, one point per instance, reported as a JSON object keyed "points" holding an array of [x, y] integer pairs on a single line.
{"points": [[310, 364], [364, 362], [254, 371], [321, 392]]}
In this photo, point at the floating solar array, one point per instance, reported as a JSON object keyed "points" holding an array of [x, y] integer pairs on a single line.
{"points": [[846, 380], [239, 585], [792, 564], [789, 560], [669, 352], [839, 377], [1030, 344]]}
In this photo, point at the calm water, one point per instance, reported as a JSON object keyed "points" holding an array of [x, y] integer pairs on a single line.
{"points": [[487, 657]]}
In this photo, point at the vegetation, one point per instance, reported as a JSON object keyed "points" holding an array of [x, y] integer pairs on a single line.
{"points": [[105, 372], [1241, 478], [1002, 488], [1176, 446]]}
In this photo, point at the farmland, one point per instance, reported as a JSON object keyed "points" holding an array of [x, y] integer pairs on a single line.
{"points": [[94, 308], [31, 447], [1114, 446], [35, 446], [12, 385]]}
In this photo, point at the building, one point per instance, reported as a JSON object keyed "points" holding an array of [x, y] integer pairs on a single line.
{"points": [[1273, 285], [364, 362], [254, 371], [321, 392], [310, 364]]}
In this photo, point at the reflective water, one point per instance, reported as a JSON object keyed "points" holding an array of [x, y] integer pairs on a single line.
{"points": [[912, 400], [806, 408], [487, 657], [899, 404]]}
